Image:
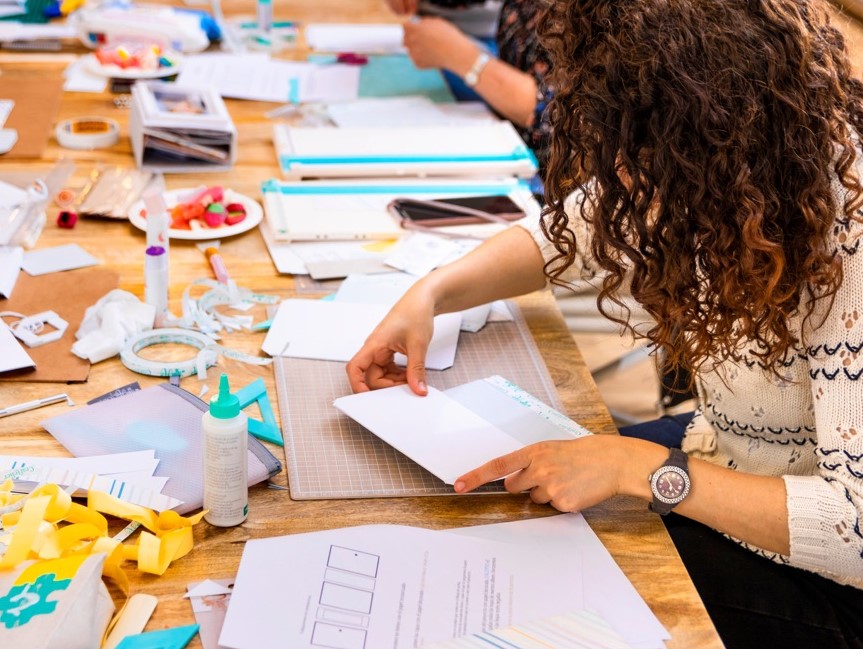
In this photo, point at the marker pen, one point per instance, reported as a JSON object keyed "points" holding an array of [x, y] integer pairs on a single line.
{"points": [[217, 264]]}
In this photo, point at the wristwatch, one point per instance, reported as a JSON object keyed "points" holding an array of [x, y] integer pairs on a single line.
{"points": [[471, 77], [670, 483]]}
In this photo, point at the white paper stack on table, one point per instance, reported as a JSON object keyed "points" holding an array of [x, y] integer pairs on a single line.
{"points": [[482, 149], [402, 587], [258, 77], [338, 210], [180, 128], [127, 476]]}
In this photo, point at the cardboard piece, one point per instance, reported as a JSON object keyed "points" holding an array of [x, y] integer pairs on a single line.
{"points": [[37, 100], [68, 294]]}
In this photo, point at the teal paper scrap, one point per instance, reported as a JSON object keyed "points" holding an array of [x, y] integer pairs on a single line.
{"points": [[175, 638], [266, 428]]}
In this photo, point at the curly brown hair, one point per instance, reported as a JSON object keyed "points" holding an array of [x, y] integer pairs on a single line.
{"points": [[705, 136]]}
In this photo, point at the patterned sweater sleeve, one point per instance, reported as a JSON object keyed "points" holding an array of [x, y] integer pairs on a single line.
{"points": [[824, 510]]}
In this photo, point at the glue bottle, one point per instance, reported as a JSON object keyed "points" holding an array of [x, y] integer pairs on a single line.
{"points": [[225, 442]]}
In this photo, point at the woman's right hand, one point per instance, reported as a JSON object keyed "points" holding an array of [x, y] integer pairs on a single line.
{"points": [[407, 329], [436, 43]]}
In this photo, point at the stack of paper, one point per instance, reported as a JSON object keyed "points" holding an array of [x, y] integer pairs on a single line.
{"points": [[358, 209], [12, 8], [402, 587], [483, 149], [127, 476], [175, 129], [258, 77]]}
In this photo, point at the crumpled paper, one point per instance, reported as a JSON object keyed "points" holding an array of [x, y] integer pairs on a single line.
{"points": [[108, 324]]}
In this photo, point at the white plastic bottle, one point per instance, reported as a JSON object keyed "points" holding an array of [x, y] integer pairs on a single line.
{"points": [[225, 442]]}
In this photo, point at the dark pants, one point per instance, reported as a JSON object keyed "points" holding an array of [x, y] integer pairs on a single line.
{"points": [[752, 601]]}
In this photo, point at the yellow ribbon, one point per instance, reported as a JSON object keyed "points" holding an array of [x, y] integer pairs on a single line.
{"points": [[37, 532]]}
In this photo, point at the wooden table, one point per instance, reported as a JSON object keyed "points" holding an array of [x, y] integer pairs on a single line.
{"points": [[635, 537]]}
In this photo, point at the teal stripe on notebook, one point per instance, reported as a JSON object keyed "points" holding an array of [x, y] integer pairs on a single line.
{"points": [[270, 186], [288, 161]]}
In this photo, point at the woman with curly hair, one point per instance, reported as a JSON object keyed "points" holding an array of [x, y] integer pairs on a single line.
{"points": [[706, 159]]}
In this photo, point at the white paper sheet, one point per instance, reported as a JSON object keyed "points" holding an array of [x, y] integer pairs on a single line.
{"points": [[334, 37], [325, 259], [335, 331], [576, 630], [58, 258], [435, 431], [10, 267], [389, 111], [421, 252], [113, 463], [452, 432], [258, 77], [80, 79], [607, 590], [390, 586], [12, 354]]}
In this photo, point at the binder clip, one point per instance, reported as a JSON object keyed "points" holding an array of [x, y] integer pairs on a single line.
{"points": [[265, 428]]}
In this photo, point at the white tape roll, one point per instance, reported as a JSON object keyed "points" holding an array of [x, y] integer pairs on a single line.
{"points": [[206, 356], [87, 133]]}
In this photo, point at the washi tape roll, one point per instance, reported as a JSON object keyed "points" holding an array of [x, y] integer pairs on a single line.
{"points": [[87, 133], [129, 355]]}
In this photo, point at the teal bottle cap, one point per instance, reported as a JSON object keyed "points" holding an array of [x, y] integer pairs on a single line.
{"points": [[224, 405]]}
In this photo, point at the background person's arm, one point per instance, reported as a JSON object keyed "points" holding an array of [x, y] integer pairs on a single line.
{"points": [[437, 43]]}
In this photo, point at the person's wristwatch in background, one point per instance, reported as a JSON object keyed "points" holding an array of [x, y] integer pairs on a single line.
{"points": [[670, 483], [471, 77]]}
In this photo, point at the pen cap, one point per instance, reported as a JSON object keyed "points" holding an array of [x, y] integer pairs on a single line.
{"points": [[224, 405]]}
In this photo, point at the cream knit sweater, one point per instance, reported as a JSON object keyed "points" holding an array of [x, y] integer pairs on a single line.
{"points": [[805, 425]]}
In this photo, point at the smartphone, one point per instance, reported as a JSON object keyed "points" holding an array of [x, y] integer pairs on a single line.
{"points": [[456, 211]]}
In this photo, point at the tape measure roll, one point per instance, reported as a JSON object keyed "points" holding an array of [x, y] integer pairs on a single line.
{"points": [[87, 133], [201, 342]]}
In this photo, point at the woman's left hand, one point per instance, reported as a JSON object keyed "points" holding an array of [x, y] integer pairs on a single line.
{"points": [[569, 475]]}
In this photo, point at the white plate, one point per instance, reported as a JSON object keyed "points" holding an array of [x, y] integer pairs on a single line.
{"points": [[94, 66], [254, 215]]}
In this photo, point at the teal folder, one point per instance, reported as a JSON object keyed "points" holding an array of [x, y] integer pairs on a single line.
{"points": [[395, 75]]}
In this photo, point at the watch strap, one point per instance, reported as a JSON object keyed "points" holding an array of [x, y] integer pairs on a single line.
{"points": [[471, 77], [678, 459]]}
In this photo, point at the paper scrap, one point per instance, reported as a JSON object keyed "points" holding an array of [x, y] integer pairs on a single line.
{"points": [[10, 266], [210, 600], [56, 259], [316, 329], [12, 354]]}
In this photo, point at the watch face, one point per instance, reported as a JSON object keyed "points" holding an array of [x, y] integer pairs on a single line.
{"points": [[670, 484]]}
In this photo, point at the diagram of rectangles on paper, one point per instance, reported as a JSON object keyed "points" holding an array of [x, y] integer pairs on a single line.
{"points": [[390, 586], [316, 329]]}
